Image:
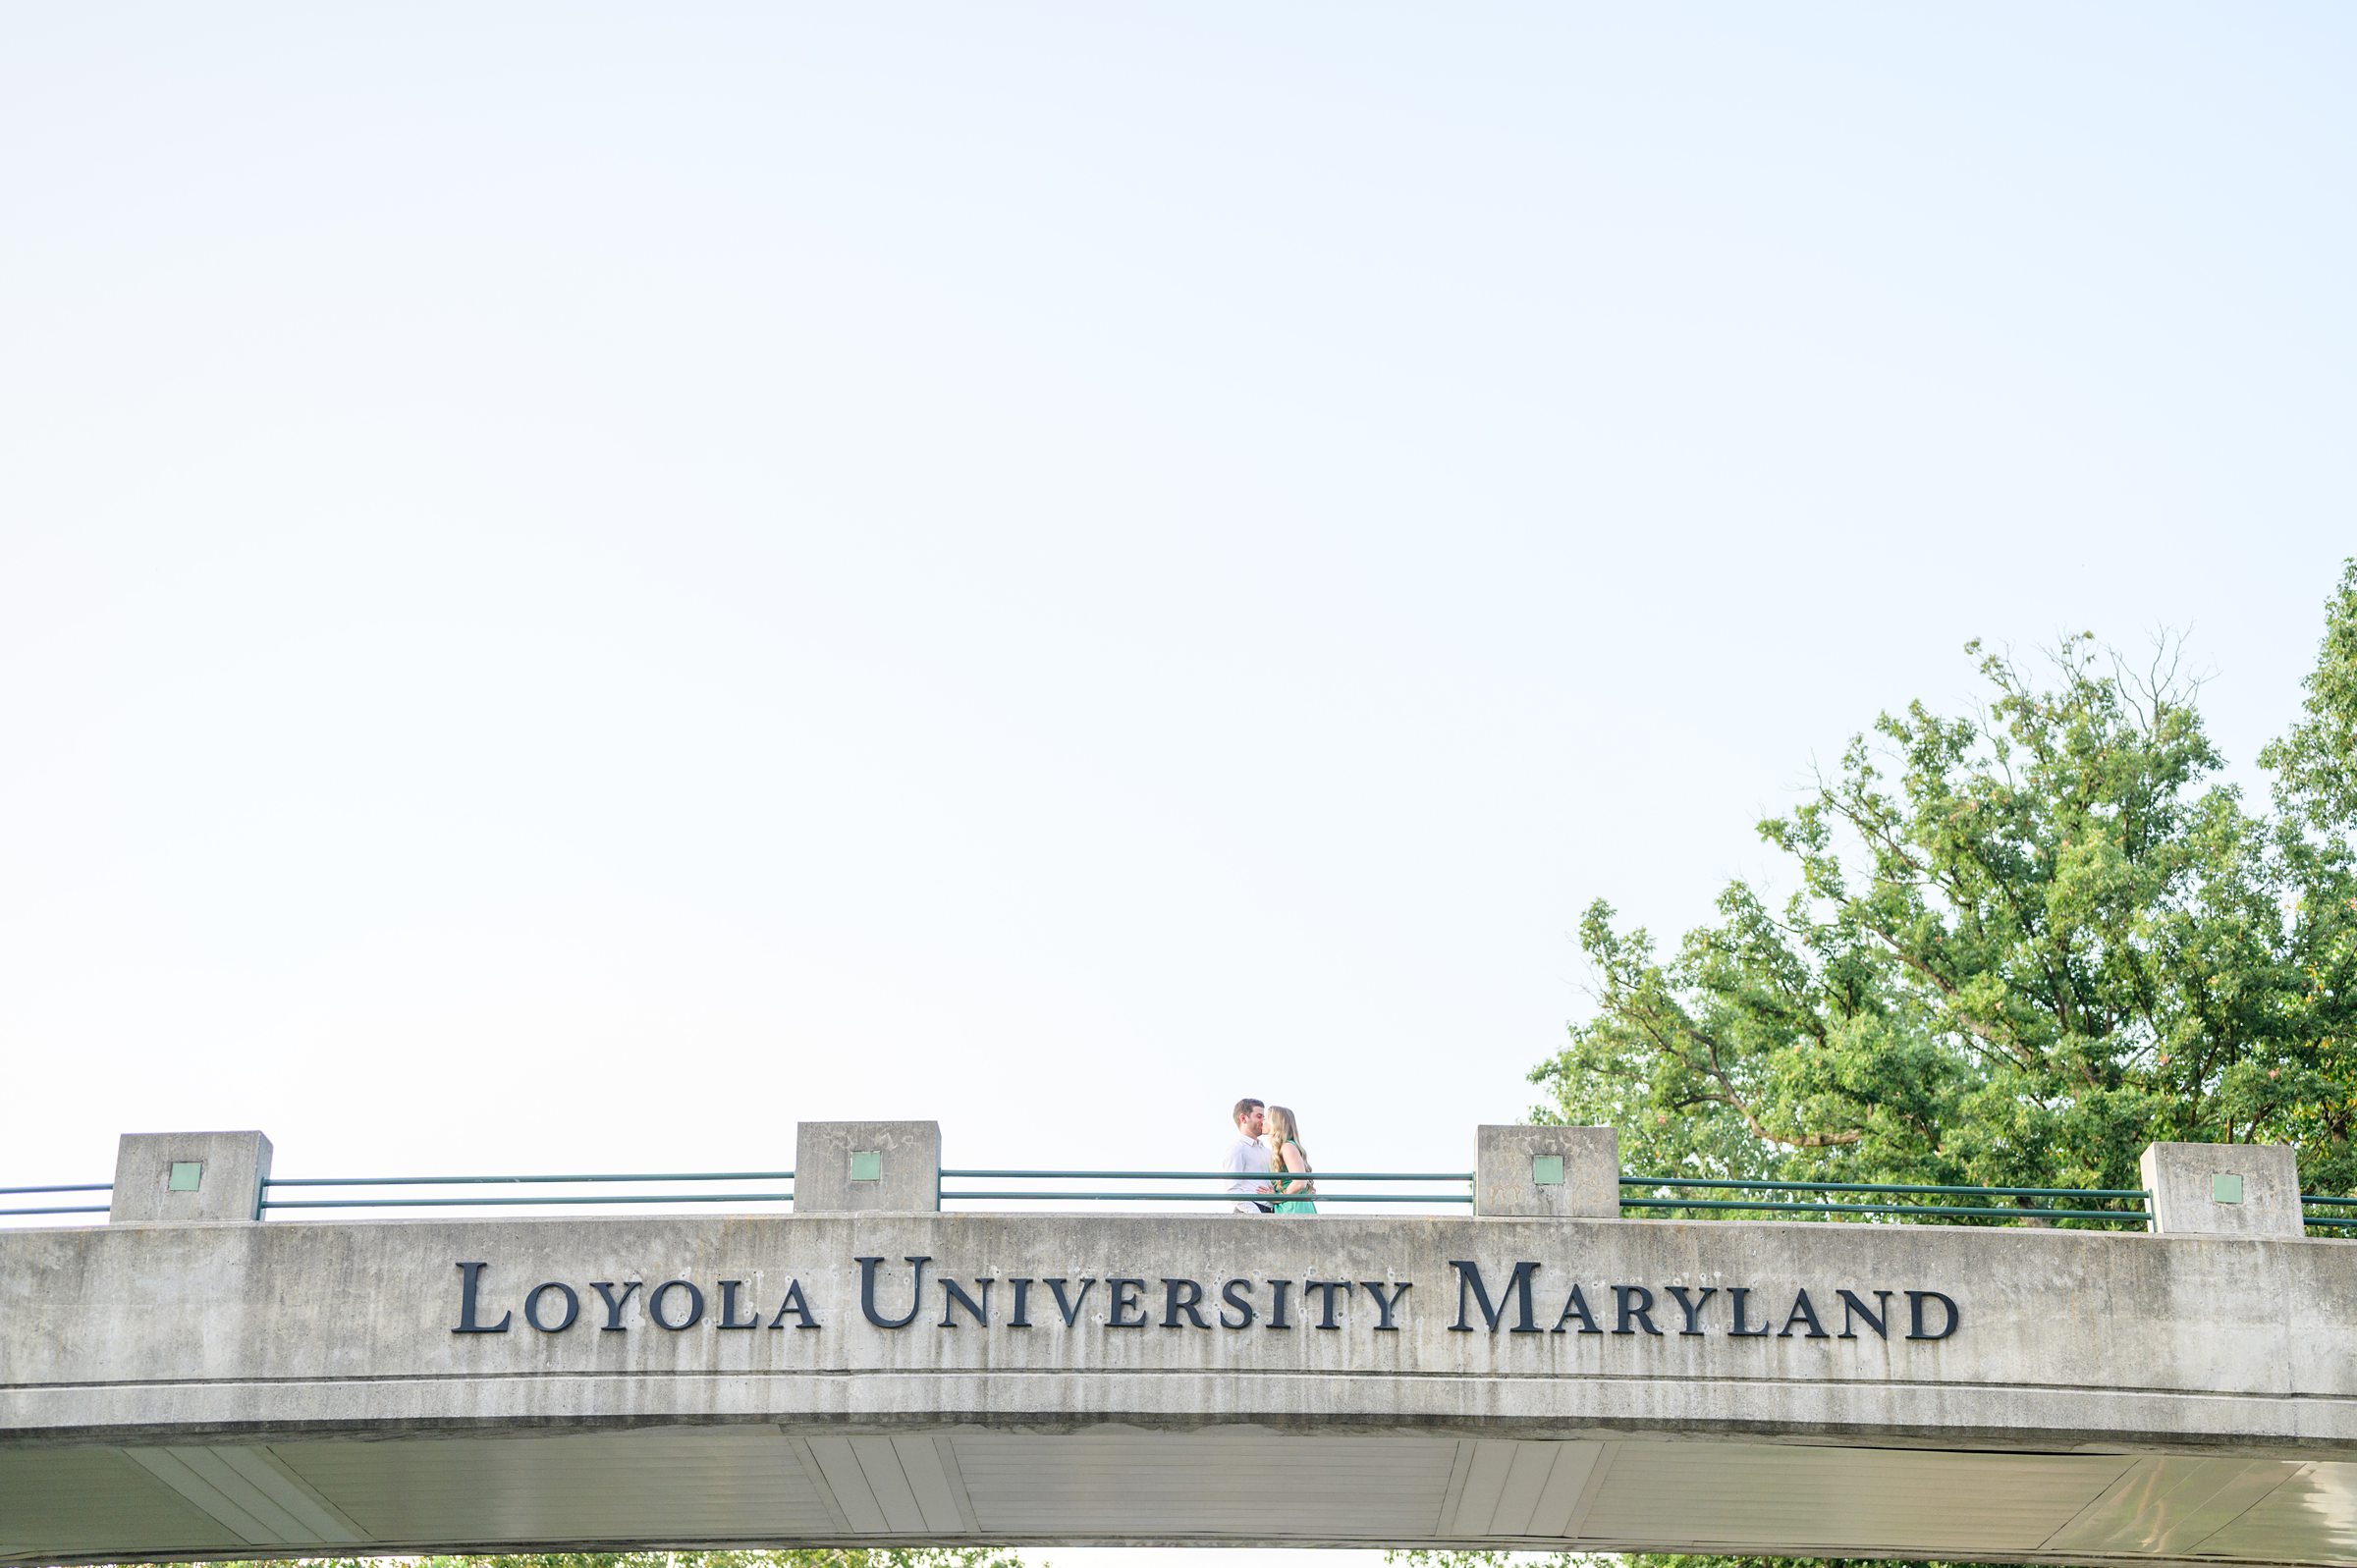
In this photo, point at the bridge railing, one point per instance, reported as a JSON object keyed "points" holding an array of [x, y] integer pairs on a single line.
{"points": [[964, 1188], [2343, 1217], [391, 1192], [7, 1193], [1453, 1187], [974, 1189], [1887, 1201]]}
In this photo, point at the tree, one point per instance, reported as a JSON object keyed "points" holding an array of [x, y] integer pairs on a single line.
{"points": [[1423, 1557], [2316, 764], [2023, 943], [820, 1557]]}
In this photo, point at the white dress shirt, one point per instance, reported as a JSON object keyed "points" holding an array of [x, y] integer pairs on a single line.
{"points": [[1250, 1160]]}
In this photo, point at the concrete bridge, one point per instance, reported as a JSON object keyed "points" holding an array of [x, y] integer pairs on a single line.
{"points": [[187, 1381]]}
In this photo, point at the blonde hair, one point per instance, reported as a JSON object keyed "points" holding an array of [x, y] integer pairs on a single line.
{"points": [[1282, 1130]]}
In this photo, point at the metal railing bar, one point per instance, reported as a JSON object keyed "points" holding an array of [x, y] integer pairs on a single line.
{"points": [[1215, 1197], [1630, 1185], [480, 1202], [2116, 1215], [1867, 1186], [429, 1181], [1200, 1176]]}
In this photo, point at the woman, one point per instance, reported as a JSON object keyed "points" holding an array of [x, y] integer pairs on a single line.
{"points": [[1291, 1164]]}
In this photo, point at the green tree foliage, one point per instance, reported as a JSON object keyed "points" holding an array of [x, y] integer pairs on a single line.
{"points": [[2316, 782], [1426, 1558], [828, 1558], [2023, 943]]}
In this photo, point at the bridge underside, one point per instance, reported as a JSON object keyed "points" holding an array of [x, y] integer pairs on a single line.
{"points": [[746, 1484]]}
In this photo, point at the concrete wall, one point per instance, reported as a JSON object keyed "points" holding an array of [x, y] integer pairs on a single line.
{"points": [[156, 1332], [2202, 1189], [843, 1168], [187, 1176]]}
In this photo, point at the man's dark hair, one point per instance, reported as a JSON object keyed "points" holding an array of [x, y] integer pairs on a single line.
{"points": [[1243, 1106]]}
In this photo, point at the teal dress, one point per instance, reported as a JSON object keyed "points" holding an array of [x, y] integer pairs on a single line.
{"points": [[1287, 1183]]}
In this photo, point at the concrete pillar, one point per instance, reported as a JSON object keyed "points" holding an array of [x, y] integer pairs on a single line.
{"points": [[2223, 1189], [848, 1167], [176, 1178], [1549, 1173]]}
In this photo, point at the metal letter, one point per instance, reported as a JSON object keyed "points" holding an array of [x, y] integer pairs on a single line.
{"points": [[1803, 1309], [605, 1290], [531, 1308], [1635, 1305], [794, 1304], [1576, 1305], [1182, 1295], [1852, 1309], [1693, 1309], [1324, 1290], [1071, 1309], [1384, 1304], [1915, 1301], [867, 1292], [952, 1295], [695, 1305], [471, 1275], [1469, 1277]]}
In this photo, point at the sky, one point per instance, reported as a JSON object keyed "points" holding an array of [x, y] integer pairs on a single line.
{"points": [[581, 583]]}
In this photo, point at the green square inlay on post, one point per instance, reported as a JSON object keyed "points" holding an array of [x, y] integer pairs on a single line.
{"points": [[1547, 1170], [867, 1164], [186, 1175], [2225, 1189]]}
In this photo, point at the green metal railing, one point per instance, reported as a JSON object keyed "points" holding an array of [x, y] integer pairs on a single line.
{"points": [[526, 1199], [1457, 1179], [2020, 1203], [2315, 1222], [58, 1209], [1673, 1196]]}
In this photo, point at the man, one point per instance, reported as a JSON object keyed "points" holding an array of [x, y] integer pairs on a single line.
{"points": [[1249, 1159]]}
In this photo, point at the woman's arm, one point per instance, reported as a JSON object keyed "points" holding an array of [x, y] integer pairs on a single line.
{"points": [[1296, 1160]]}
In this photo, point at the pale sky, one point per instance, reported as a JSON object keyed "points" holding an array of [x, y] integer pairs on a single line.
{"points": [[580, 583]]}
